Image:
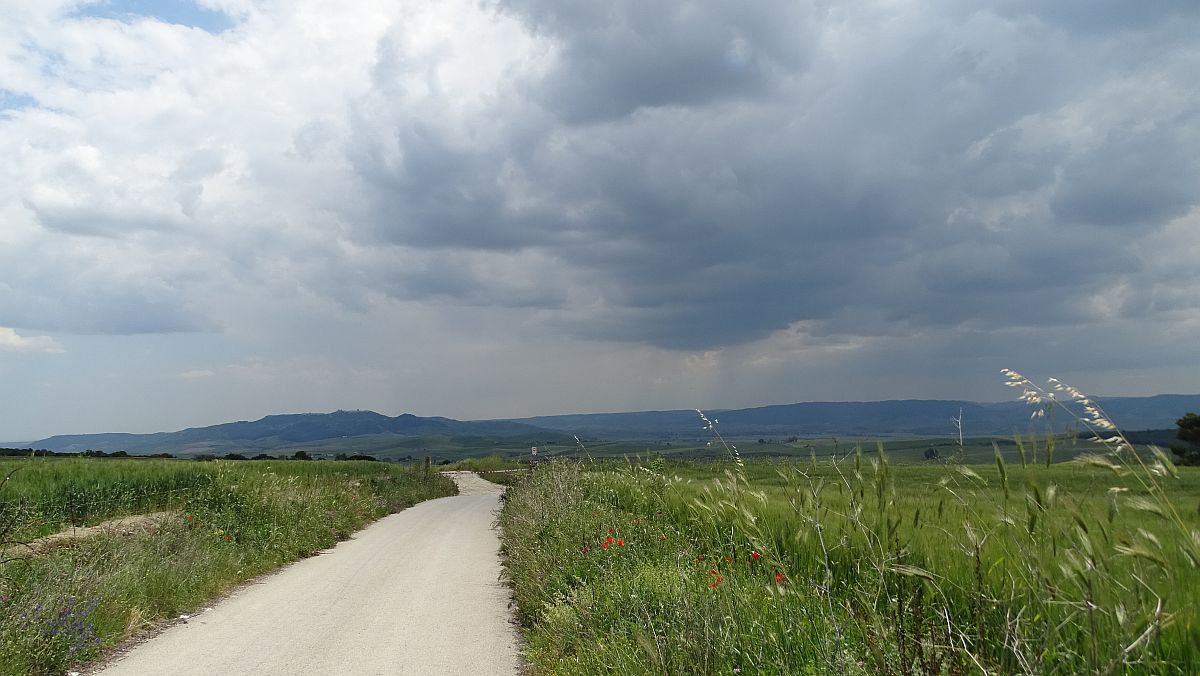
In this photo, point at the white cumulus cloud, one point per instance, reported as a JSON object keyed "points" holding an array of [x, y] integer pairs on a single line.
{"points": [[12, 341]]}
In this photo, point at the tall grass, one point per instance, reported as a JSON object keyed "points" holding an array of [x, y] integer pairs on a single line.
{"points": [[229, 522], [859, 565], [488, 463], [44, 495]]}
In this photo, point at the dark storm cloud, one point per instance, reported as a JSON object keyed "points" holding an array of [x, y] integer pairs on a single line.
{"points": [[447, 196], [1004, 166], [617, 57], [1134, 178], [1102, 16], [102, 307], [930, 169]]}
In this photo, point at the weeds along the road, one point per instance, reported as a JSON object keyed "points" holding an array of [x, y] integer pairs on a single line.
{"points": [[859, 566], [228, 521], [494, 468]]}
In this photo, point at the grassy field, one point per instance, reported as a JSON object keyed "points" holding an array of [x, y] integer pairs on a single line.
{"points": [[440, 447], [907, 449], [227, 522], [857, 565]]}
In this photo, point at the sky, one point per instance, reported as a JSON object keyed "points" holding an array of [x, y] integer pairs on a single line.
{"points": [[222, 209]]}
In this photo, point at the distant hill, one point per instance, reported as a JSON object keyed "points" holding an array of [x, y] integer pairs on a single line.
{"points": [[414, 436], [340, 428], [910, 417]]}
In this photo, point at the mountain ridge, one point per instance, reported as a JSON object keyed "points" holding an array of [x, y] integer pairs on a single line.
{"points": [[282, 431], [889, 418], [894, 417]]}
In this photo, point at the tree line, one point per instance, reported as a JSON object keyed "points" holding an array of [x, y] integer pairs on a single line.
{"points": [[44, 453]]}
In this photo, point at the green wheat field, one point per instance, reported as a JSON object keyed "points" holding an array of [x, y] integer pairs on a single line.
{"points": [[855, 566]]}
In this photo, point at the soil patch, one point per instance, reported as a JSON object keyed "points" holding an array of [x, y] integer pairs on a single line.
{"points": [[126, 526]]}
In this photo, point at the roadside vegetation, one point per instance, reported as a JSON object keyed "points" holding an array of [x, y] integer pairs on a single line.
{"points": [[218, 524], [488, 463], [856, 564], [498, 469]]}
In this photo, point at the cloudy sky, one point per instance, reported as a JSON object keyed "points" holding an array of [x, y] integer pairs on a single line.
{"points": [[221, 209]]}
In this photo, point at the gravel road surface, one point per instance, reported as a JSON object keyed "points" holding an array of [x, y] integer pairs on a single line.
{"points": [[417, 592]]}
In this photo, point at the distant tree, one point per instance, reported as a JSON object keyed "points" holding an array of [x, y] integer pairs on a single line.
{"points": [[29, 452], [1189, 433], [205, 457], [301, 455], [364, 458], [340, 456], [1189, 428], [932, 453], [263, 456], [118, 454], [234, 456], [762, 441]]}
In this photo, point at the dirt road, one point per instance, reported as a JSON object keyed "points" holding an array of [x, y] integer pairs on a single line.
{"points": [[415, 593]]}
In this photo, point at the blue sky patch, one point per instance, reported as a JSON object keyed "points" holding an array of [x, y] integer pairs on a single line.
{"points": [[10, 100], [179, 12]]}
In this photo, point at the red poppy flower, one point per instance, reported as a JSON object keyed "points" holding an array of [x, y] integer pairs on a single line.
{"points": [[728, 559], [755, 555], [621, 543], [712, 570], [700, 558], [720, 579], [604, 545], [609, 540], [713, 584], [780, 578]]}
